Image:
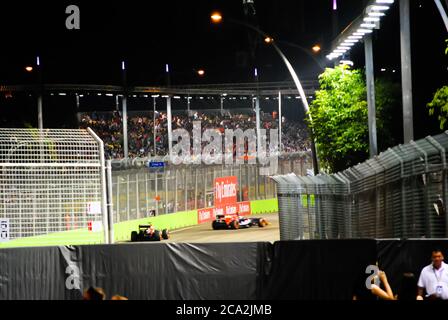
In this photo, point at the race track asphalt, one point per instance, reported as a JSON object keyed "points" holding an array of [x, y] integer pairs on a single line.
{"points": [[205, 234]]}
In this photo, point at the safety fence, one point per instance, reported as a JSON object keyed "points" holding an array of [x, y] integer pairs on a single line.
{"points": [[56, 189], [140, 191], [52, 181], [400, 193]]}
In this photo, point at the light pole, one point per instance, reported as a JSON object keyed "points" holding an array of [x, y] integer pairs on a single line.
{"points": [[442, 12], [216, 17], [40, 89], [316, 49], [125, 111]]}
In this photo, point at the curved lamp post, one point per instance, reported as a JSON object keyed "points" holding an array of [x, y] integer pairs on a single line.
{"points": [[217, 18]]}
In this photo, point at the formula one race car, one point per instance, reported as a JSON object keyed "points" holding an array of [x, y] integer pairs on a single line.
{"points": [[147, 232], [237, 222]]}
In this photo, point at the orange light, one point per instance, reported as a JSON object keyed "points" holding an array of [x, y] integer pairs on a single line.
{"points": [[216, 17], [29, 68], [268, 40], [201, 72], [316, 48]]}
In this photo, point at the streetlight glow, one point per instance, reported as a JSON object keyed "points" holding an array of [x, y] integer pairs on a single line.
{"points": [[201, 72], [368, 25], [376, 14], [216, 17], [316, 48], [371, 19], [363, 25], [268, 40], [29, 68]]}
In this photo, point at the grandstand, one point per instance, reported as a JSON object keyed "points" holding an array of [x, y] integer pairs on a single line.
{"points": [[101, 107]]}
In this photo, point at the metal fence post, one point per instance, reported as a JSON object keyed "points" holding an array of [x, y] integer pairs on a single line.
{"points": [[166, 190], [117, 209], [146, 194], [205, 187], [137, 197], [128, 207], [110, 215], [186, 190], [195, 188], [175, 190], [103, 186], [156, 193]]}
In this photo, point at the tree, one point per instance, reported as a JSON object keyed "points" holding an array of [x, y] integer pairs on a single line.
{"points": [[340, 117], [439, 104]]}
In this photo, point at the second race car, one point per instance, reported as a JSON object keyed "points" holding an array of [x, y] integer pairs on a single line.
{"points": [[147, 232], [236, 222]]}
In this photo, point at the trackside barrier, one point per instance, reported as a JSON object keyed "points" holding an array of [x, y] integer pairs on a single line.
{"points": [[122, 230], [173, 221], [288, 270], [264, 206], [401, 193]]}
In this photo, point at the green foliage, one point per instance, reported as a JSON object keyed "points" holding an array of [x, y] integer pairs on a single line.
{"points": [[340, 117], [439, 106]]}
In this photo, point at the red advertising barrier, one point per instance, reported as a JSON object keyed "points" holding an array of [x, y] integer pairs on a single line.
{"points": [[225, 201], [244, 208], [205, 215], [225, 190], [209, 214]]}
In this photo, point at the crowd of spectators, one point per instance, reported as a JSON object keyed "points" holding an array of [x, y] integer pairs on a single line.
{"points": [[109, 128]]}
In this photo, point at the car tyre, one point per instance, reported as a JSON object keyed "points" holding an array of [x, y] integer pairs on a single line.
{"points": [[215, 225], [165, 234], [156, 236], [134, 236], [262, 223]]}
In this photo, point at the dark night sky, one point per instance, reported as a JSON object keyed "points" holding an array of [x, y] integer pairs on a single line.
{"points": [[149, 34]]}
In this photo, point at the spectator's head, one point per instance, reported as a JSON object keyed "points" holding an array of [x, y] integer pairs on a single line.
{"points": [[408, 287], [118, 297], [94, 294], [437, 258]]}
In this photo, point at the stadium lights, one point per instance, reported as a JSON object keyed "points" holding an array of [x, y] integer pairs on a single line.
{"points": [[364, 25], [346, 62]]}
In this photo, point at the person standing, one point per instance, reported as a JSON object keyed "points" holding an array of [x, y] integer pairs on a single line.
{"points": [[434, 279]]}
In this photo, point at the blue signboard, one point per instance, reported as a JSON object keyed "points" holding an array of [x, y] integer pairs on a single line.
{"points": [[154, 164]]}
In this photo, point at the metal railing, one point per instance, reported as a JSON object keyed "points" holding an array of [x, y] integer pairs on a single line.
{"points": [[402, 193], [140, 192], [52, 181]]}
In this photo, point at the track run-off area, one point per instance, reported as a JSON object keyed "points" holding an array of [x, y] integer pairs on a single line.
{"points": [[203, 233]]}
